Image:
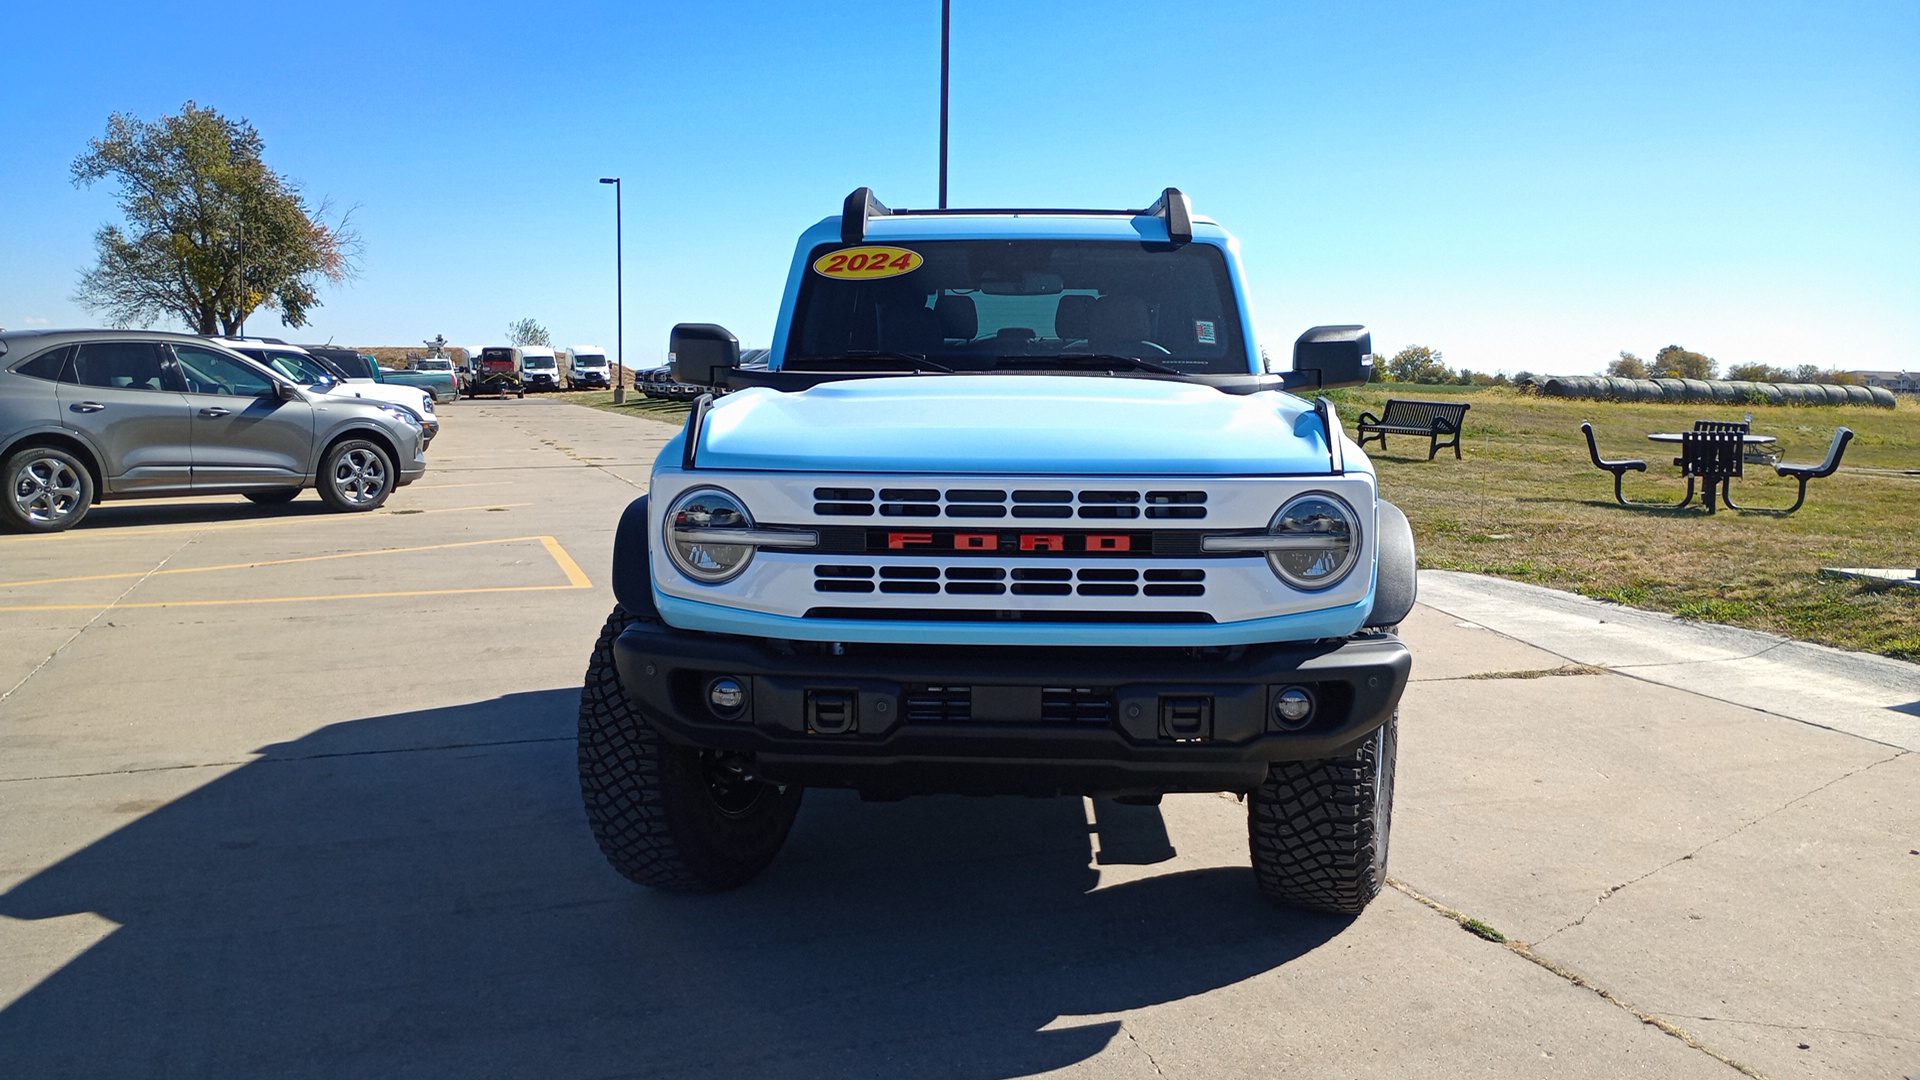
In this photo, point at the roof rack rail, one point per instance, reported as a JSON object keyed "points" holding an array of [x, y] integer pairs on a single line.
{"points": [[861, 206]]}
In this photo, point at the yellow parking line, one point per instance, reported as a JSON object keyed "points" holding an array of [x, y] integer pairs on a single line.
{"points": [[576, 579], [316, 519], [290, 599], [575, 575], [567, 564]]}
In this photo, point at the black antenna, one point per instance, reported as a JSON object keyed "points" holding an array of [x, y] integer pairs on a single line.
{"points": [[946, 23]]}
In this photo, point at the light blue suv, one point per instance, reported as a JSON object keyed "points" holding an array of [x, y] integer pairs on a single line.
{"points": [[89, 415], [1014, 507]]}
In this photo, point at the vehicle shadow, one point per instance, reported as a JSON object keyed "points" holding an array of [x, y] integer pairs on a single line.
{"points": [[130, 513], [417, 894]]}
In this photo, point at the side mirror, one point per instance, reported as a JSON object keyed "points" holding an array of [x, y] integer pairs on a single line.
{"points": [[1329, 356], [701, 352], [285, 391]]}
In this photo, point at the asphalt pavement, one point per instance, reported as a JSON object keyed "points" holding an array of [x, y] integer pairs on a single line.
{"points": [[290, 793]]}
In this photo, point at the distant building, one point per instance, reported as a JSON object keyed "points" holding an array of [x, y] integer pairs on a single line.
{"points": [[1900, 382]]}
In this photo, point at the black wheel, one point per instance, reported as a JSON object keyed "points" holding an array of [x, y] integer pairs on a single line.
{"points": [[356, 475], [672, 817], [47, 490], [1318, 829], [521, 394], [273, 498]]}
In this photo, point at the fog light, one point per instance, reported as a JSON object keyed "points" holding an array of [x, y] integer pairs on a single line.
{"points": [[1292, 707], [726, 697]]}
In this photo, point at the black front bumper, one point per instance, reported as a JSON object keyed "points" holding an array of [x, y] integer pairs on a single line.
{"points": [[912, 719]]}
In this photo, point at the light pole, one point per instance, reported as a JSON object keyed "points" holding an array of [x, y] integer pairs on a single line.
{"points": [[946, 23], [619, 300]]}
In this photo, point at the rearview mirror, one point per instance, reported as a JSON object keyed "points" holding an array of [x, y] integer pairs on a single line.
{"points": [[701, 353], [1329, 356]]}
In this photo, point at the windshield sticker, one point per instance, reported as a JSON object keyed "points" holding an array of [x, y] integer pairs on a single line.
{"points": [[1203, 331], [867, 263]]}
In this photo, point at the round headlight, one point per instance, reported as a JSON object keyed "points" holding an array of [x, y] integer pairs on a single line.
{"points": [[692, 522], [1324, 541]]}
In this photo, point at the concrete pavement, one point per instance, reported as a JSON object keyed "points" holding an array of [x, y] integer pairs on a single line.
{"points": [[245, 834]]}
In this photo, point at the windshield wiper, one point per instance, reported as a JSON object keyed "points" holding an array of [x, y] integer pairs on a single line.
{"points": [[856, 356], [1090, 359]]}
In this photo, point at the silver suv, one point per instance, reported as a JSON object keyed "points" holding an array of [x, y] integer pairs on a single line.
{"points": [[87, 415]]}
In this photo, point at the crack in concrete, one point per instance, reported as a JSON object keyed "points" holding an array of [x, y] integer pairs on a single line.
{"points": [[1605, 896], [1143, 1050], [1525, 952], [98, 615]]}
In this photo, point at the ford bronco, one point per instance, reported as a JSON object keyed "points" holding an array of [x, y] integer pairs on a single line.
{"points": [[1014, 507]]}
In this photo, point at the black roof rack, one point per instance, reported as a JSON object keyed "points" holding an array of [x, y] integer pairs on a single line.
{"points": [[861, 206]]}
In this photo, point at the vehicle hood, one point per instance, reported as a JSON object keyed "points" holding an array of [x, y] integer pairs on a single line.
{"points": [[411, 397], [1010, 424]]}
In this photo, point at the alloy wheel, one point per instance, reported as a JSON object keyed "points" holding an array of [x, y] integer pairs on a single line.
{"points": [[360, 476], [46, 490]]}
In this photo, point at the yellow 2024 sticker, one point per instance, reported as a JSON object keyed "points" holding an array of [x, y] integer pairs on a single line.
{"points": [[867, 263]]}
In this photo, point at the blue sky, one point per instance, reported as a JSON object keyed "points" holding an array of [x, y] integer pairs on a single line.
{"points": [[1520, 185]]}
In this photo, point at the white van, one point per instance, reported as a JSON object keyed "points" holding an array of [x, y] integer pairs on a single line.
{"points": [[589, 368], [539, 368]]}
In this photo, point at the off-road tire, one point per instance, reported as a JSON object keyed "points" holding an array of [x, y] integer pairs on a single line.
{"points": [[658, 817], [273, 498], [1319, 829]]}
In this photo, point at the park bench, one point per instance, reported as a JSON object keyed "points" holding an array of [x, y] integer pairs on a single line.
{"points": [[1433, 419]]}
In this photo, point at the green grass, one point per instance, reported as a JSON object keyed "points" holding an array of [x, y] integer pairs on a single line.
{"points": [[1527, 504], [671, 412]]}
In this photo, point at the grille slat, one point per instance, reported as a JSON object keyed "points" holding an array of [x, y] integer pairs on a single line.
{"points": [[1076, 705], [975, 580], [1092, 504], [939, 704]]}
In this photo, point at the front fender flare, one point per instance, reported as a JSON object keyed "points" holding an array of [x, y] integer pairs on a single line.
{"points": [[632, 568], [1397, 586]]}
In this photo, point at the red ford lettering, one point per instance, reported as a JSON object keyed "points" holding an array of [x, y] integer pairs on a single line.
{"points": [[976, 542], [1043, 542], [898, 540], [1109, 542]]}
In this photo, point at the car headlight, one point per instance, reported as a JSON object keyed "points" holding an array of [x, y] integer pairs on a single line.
{"points": [[399, 413], [711, 536], [1312, 543]]}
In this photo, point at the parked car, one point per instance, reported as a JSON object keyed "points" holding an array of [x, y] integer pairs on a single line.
{"points": [[658, 383], [588, 368], [90, 415], [434, 374], [539, 368], [307, 367], [361, 369]]}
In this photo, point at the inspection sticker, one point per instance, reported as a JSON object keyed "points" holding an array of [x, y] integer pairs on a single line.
{"points": [[1203, 331], [867, 263]]}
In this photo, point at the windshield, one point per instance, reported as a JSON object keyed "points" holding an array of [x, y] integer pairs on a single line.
{"points": [[981, 304], [539, 361], [433, 365], [589, 360], [298, 367]]}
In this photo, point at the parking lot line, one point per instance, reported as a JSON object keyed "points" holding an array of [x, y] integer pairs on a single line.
{"points": [[576, 579], [304, 519], [567, 565]]}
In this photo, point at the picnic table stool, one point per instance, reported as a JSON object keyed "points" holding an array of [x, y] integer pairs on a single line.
{"points": [[1804, 472]]}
